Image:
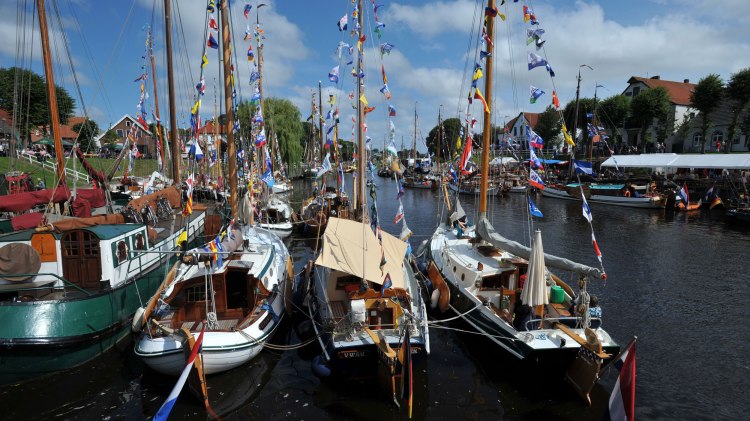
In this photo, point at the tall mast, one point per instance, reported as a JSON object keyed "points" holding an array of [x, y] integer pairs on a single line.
{"points": [[360, 119], [159, 131], [51, 92], [439, 140], [226, 40], [320, 120], [414, 144], [487, 116], [173, 131]]}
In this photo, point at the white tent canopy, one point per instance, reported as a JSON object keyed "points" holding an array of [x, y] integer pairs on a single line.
{"points": [[671, 160], [504, 160]]}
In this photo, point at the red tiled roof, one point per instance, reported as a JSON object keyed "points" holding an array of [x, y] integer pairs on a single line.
{"points": [[679, 92], [66, 130], [208, 128]]}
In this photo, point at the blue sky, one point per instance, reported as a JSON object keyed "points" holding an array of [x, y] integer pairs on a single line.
{"points": [[675, 39]]}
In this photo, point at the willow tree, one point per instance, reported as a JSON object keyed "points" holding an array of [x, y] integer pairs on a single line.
{"points": [[650, 109], [283, 120], [448, 139], [706, 98]]}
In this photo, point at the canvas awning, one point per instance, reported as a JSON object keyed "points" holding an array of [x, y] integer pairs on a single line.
{"points": [[351, 247], [671, 160]]}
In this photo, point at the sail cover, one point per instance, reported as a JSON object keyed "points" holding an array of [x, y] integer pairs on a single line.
{"points": [[351, 247], [487, 232]]}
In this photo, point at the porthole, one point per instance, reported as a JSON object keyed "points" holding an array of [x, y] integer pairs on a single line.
{"points": [[463, 276], [454, 269]]}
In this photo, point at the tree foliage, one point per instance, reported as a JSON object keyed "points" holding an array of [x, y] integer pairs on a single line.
{"points": [[706, 98], [650, 108], [450, 133], [31, 103], [109, 139], [283, 119], [612, 112], [738, 92], [87, 131], [549, 126]]}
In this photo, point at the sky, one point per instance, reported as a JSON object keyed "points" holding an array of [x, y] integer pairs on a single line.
{"points": [[429, 68]]}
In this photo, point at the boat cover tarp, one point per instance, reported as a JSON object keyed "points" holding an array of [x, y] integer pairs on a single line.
{"points": [[18, 258], [351, 247], [77, 223], [26, 221], [95, 197], [662, 160], [171, 193], [21, 202], [487, 232]]}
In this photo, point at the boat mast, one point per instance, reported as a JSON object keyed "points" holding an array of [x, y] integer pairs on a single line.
{"points": [[51, 92], [159, 137], [173, 130], [226, 40], [414, 143], [487, 115], [320, 120], [360, 119]]}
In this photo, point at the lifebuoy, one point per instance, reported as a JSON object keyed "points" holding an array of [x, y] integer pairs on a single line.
{"points": [[627, 193]]}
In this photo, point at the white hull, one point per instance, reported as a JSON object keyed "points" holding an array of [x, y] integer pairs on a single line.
{"points": [[282, 229], [281, 188], [491, 191]]}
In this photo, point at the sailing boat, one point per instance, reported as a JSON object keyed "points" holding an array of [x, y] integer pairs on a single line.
{"points": [[233, 290], [363, 296], [71, 287], [485, 278]]}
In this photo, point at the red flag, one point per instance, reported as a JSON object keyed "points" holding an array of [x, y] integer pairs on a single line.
{"points": [[466, 154], [555, 100], [212, 24], [622, 400]]}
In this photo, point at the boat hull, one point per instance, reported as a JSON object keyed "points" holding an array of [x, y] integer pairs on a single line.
{"points": [[631, 202]]}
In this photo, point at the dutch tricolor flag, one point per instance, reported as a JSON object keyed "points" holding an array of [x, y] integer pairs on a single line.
{"points": [[172, 398], [622, 400]]}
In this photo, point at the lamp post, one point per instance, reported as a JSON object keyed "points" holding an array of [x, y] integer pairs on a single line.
{"points": [[575, 121]]}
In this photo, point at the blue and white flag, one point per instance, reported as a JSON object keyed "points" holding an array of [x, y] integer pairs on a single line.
{"points": [[586, 210], [583, 167], [342, 23], [533, 210], [267, 178], [333, 75], [163, 412], [325, 167], [535, 94], [535, 60], [454, 175]]}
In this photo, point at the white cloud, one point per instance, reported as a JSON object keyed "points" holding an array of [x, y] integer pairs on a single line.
{"points": [[433, 18]]}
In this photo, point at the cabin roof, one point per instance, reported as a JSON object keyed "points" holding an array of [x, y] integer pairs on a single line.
{"points": [[103, 232]]}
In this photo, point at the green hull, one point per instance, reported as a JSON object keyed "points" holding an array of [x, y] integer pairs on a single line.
{"points": [[45, 336]]}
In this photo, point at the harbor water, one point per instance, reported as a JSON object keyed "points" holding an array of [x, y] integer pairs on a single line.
{"points": [[677, 282]]}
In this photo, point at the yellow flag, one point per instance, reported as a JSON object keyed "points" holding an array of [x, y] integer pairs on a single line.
{"points": [[458, 143], [568, 139], [182, 238], [196, 107], [363, 100], [204, 61], [477, 74], [502, 16]]}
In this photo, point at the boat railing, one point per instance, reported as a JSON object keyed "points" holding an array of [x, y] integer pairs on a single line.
{"points": [[570, 321], [39, 285]]}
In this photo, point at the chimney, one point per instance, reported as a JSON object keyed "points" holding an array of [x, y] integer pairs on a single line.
{"points": [[686, 81], [657, 77]]}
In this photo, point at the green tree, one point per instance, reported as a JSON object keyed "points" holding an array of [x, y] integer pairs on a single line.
{"points": [[109, 139], [612, 112], [585, 106], [87, 131], [32, 106], [283, 119], [549, 126], [706, 98], [650, 108], [451, 130], [738, 92]]}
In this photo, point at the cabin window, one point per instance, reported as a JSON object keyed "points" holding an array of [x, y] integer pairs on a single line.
{"points": [[140, 242], [195, 294], [122, 251], [492, 281]]}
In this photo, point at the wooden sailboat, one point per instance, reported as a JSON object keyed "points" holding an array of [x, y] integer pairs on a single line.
{"points": [[233, 289], [363, 296], [75, 283], [478, 275]]}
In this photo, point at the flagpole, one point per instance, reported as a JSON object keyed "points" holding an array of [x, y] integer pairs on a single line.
{"points": [[622, 351]]}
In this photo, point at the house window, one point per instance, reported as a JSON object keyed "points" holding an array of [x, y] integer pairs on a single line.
{"points": [[120, 133], [697, 139], [521, 131], [636, 91], [127, 124], [717, 138], [515, 131]]}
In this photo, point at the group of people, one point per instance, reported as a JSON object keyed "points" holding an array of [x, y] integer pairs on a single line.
{"points": [[523, 314]]}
